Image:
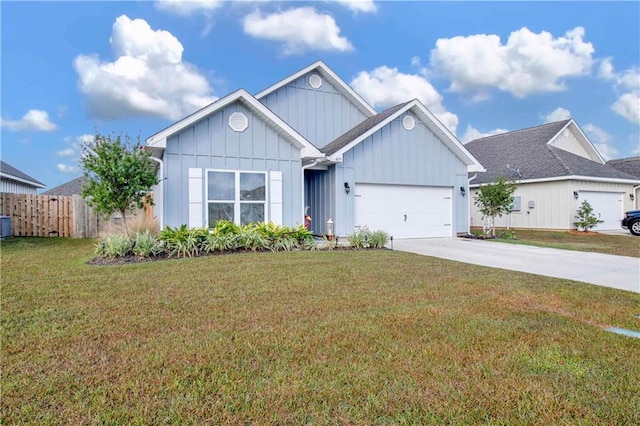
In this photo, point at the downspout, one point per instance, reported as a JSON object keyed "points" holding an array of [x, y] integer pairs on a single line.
{"points": [[635, 197], [469, 203], [158, 199]]}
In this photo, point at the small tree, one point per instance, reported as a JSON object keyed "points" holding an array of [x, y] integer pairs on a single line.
{"points": [[586, 217], [495, 199], [118, 175]]}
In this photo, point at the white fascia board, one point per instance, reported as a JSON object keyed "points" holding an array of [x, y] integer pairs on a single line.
{"points": [[571, 177], [159, 140], [584, 140], [326, 72], [25, 181]]}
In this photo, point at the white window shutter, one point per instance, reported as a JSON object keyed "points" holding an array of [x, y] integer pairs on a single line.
{"points": [[275, 197], [195, 198]]}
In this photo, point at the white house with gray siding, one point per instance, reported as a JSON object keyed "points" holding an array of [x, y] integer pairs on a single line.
{"points": [[556, 168], [14, 181], [311, 144]]}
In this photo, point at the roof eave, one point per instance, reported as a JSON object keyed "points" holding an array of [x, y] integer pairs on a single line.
{"points": [[21, 180]]}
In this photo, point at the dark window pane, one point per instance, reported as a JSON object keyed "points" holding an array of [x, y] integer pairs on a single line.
{"points": [[250, 212], [220, 211], [252, 187], [222, 186]]}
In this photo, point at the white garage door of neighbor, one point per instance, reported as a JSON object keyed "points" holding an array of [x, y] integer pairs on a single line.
{"points": [[606, 205], [404, 211]]}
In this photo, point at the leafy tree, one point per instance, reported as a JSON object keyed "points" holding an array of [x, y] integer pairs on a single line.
{"points": [[495, 199], [118, 175], [586, 217]]}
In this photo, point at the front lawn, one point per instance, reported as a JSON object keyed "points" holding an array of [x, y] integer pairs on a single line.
{"points": [[349, 337], [620, 245]]}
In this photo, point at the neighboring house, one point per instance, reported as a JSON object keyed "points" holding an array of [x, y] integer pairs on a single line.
{"points": [[556, 167], [630, 165], [73, 187], [310, 143], [14, 181]]}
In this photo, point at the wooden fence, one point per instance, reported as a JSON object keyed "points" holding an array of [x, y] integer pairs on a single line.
{"points": [[59, 216]]}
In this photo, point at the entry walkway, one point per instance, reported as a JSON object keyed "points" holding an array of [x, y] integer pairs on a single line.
{"points": [[606, 270]]}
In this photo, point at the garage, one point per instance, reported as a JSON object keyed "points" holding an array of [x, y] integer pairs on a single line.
{"points": [[404, 211], [607, 206]]}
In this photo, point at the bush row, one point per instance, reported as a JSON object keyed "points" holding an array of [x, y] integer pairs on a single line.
{"points": [[226, 237]]}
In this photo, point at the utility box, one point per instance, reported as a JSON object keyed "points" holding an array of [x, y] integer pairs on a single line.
{"points": [[5, 227], [532, 204]]}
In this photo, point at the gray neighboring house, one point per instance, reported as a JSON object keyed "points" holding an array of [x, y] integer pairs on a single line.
{"points": [[629, 165], [14, 181], [556, 168], [73, 187], [310, 144]]}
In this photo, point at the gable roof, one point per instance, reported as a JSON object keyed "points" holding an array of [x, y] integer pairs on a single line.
{"points": [[159, 140], [526, 154], [7, 171], [351, 138], [332, 78], [73, 187], [630, 165]]}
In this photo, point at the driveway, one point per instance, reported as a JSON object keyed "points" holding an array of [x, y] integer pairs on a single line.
{"points": [[606, 270]]}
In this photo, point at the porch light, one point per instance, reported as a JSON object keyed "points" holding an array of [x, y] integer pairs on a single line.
{"points": [[575, 194], [347, 188], [632, 197], [463, 191], [330, 229]]}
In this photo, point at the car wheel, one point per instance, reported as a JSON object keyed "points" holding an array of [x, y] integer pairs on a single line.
{"points": [[635, 228]]}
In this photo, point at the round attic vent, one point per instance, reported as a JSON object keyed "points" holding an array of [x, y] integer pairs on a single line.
{"points": [[565, 133], [238, 122], [315, 81], [408, 122]]}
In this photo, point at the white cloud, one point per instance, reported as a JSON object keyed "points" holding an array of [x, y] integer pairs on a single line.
{"points": [[527, 63], [628, 106], [472, 133], [366, 6], [557, 114], [299, 29], [188, 7], [147, 78], [605, 70], [385, 87], [67, 152], [628, 82], [34, 119], [67, 168], [601, 140], [74, 145]]}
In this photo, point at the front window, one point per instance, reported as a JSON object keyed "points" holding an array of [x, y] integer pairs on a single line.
{"points": [[238, 197]]}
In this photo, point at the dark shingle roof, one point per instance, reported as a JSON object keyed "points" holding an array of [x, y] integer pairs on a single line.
{"points": [[72, 187], [357, 131], [10, 170], [525, 154], [630, 165]]}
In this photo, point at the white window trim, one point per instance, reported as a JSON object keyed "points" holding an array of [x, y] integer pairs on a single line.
{"points": [[237, 201]]}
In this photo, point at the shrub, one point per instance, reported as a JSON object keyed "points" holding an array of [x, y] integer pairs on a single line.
{"points": [[586, 217], [250, 238], [114, 246], [220, 242], [224, 227], [359, 239], [182, 241], [145, 244], [378, 239]]}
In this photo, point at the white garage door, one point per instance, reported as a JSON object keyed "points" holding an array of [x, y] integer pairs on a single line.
{"points": [[404, 211], [606, 205]]}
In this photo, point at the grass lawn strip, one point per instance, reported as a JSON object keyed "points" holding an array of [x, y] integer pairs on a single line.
{"points": [[352, 337], [619, 245]]}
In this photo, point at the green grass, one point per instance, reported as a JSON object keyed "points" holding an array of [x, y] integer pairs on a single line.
{"points": [[620, 245], [349, 337]]}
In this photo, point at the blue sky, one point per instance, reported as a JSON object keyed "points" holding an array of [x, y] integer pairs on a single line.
{"points": [[70, 69]]}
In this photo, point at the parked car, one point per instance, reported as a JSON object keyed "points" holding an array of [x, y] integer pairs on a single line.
{"points": [[631, 221]]}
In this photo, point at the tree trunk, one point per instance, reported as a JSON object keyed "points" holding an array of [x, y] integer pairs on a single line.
{"points": [[124, 221]]}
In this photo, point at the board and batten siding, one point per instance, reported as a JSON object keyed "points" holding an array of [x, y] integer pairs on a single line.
{"points": [[554, 204], [211, 144], [320, 115], [13, 187], [394, 155]]}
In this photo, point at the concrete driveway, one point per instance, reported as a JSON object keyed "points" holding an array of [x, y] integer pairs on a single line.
{"points": [[606, 270]]}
